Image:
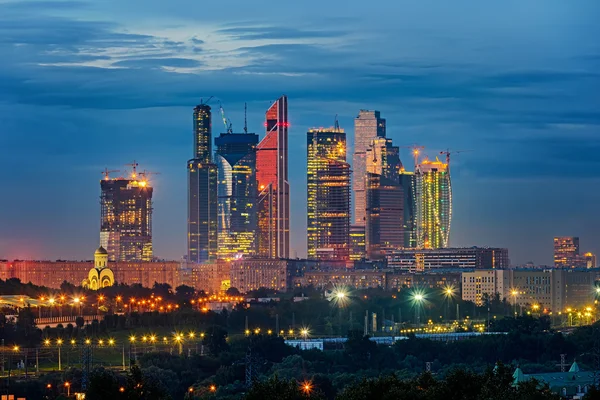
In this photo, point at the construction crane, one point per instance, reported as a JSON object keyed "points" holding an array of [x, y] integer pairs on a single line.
{"points": [[416, 151], [134, 166], [107, 171], [448, 152], [336, 124], [145, 176], [202, 102], [226, 122]]}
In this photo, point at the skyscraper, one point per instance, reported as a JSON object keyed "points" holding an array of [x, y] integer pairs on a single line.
{"points": [[566, 252], [328, 195], [273, 205], [202, 191], [235, 157], [384, 208], [367, 126], [126, 217], [407, 181], [433, 204]]}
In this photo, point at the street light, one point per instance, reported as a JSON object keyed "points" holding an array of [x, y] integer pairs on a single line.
{"points": [[68, 386], [449, 292], [514, 294], [59, 343], [305, 332], [418, 297], [306, 387]]}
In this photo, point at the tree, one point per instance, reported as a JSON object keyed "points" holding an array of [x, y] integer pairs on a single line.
{"points": [[215, 338], [104, 384], [185, 291], [232, 292], [276, 389], [79, 321]]}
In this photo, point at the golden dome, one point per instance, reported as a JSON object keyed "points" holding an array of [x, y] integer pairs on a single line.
{"points": [[100, 251]]}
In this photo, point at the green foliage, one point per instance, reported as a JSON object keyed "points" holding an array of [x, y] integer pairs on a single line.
{"points": [[278, 389]]}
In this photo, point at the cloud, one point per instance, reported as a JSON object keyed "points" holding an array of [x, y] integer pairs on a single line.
{"points": [[158, 63], [195, 40], [277, 33]]}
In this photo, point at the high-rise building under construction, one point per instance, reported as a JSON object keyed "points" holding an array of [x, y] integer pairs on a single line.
{"points": [[433, 204], [126, 217], [202, 191], [273, 204], [328, 195]]}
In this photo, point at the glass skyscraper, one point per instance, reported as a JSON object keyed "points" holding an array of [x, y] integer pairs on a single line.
{"points": [[368, 125], [384, 199], [235, 157], [328, 195], [202, 191], [433, 204], [273, 204]]}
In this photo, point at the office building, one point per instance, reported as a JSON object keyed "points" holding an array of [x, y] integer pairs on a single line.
{"points": [[235, 157], [328, 195], [566, 252], [589, 260], [433, 204], [368, 125], [202, 191], [418, 260], [273, 204], [126, 217], [357, 243], [384, 213], [407, 181]]}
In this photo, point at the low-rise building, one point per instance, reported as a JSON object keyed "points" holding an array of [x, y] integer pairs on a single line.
{"points": [[419, 260]]}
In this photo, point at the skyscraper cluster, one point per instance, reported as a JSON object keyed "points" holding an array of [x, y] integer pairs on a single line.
{"points": [[238, 196]]}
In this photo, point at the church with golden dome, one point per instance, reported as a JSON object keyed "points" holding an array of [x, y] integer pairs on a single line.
{"points": [[100, 276]]}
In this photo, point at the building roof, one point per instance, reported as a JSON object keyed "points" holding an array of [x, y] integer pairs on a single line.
{"points": [[100, 251]]}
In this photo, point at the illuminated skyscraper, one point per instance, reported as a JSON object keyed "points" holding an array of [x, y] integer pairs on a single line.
{"points": [[328, 195], [357, 243], [202, 191], [273, 205], [566, 252], [235, 157], [384, 208], [126, 217], [367, 126], [433, 204]]}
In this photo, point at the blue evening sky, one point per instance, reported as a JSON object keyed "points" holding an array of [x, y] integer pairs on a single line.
{"points": [[91, 84]]}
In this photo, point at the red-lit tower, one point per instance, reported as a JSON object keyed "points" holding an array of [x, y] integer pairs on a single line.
{"points": [[273, 205]]}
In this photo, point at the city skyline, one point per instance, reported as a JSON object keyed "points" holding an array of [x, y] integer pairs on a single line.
{"points": [[531, 117]]}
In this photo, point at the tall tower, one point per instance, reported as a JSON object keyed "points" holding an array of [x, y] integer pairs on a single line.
{"points": [[566, 251], [384, 208], [407, 181], [368, 125], [433, 204], [126, 217], [235, 157], [328, 195], [202, 191], [273, 204]]}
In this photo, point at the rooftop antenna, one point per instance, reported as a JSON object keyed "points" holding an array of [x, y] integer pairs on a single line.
{"points": [[245, 118], [336, 124]]}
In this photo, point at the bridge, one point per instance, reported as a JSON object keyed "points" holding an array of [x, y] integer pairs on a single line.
{"points": [[52, 322]]}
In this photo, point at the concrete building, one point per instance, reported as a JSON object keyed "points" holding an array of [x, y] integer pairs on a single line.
{"points": [[550, 289], [357, 279], [252, 274], [566, 252], [419, 260]]}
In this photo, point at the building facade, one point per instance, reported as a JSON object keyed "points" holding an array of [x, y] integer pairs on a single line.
{"points": [[328, 195], [126, 217], [357, 243], [202, 191], [384, 213], [407, 181], [553, 290], [368, 125], [417, 260], [253, 274], [433, 204], [566, 251], [235, 157], [273, 204]]}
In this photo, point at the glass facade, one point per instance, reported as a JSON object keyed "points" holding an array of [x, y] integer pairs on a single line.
{"points": [[273, 204], [237, 221], [566, 252], [433, 204], [384, 208], [407, 181], [328, 195], [368, 125], [202, 191], [126, 219]]}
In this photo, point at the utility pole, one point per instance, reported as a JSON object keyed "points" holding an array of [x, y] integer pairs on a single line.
{"points": [[366, 330], [277, 324]]}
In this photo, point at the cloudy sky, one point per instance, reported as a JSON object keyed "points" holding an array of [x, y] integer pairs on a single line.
{"points": [[86, 85]]}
